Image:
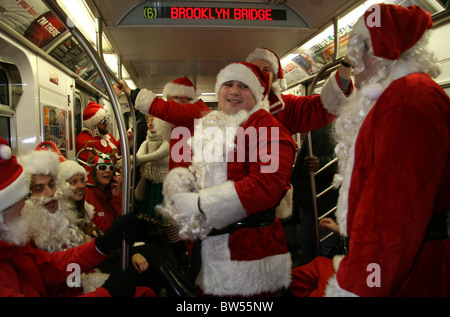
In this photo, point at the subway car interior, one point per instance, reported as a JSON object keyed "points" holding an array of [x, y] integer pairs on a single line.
{"points": [[56, 56]]}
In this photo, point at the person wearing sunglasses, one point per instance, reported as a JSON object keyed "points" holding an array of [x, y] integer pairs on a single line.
{"points": [[95, 133], [103, 190]]}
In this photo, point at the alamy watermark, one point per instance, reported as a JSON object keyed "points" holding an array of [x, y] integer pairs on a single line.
{"points": [[250, 145]]}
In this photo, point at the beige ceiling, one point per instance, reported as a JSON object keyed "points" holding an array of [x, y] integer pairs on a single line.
{"points": [[155, 56]]}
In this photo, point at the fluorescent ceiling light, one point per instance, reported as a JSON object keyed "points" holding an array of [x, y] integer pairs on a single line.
{"points": [[81, 17]]}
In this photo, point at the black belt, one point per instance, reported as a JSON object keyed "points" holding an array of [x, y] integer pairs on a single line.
{"points": [[253, 221]]}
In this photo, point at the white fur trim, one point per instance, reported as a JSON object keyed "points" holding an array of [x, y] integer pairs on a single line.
{"points": [[95, 119], [5, 152], [221, 205], [70, 168], [337, 260], [268, 56], [222, 276], [144, 100], [17, 190], [331, 95], [334, 290], [243, 74], [90, 210], [172, 89], [44, 162], [284, 209], [91, 281]]}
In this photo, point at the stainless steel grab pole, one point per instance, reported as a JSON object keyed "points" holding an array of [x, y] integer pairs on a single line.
{"points": [[104, 71]]}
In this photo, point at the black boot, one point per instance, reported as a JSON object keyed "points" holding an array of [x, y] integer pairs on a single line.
{"points": [[173, 282]]}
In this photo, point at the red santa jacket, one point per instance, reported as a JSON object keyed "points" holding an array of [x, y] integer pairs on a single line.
{"points": [[181, 116], [400, 179], [107, 207], [302, 114], [27, 271], [103, 143]]}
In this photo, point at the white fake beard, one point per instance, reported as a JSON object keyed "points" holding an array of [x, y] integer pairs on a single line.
{"points": [[211, 170], [52, 232], [347, 125], [16, 231]]}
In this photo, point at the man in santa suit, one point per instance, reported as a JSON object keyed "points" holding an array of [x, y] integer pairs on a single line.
{"points": [[227, 198], [52, 221], [181, 108], [31, 272], [394, 173], [95, 133]]}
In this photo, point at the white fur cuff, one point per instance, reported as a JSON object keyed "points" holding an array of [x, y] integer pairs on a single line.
{"points": [[221, 205], [144, 100], [331, 95], [334, 290]]}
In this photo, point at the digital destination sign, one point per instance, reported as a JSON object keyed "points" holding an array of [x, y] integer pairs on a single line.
{"points": [[213, 13]]}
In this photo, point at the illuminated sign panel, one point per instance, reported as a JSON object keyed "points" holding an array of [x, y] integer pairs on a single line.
{"points": [[210, 13]]}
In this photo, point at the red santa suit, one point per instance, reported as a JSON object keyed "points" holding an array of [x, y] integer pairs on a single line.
{"points": [[107, 207], [243, 250], [27, 271], [90, 137], [395, 172]]}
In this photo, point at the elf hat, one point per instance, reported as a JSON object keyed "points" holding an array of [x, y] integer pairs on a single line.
{"points": [[274, 61], [93, 114], [181, 87], [247, 73], [95, 159], [13, 182], [394, 29]]}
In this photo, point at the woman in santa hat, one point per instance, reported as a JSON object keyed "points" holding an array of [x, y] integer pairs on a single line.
{"points": [[72, 178], [227, 197]]}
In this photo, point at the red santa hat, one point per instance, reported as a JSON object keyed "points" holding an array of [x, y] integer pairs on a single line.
{"points": [[394, 29], [274, 61], [93, 114], [276, 102], [181, 87], [247, 73], [50, 145], [13, 182], [41, 162], [70, 168]]}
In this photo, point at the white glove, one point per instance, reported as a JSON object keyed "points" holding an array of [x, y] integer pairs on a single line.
{"points": [[187, 204], [179, 180]]}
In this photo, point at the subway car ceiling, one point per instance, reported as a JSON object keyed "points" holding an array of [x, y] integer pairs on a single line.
{"points": [[158, 50], [158, 41]]}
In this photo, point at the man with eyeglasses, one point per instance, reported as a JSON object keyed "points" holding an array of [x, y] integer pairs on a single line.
{"points": [[95, 133]]}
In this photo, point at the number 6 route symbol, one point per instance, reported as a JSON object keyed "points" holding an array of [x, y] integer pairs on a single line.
{"points": [[150, 13]]}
